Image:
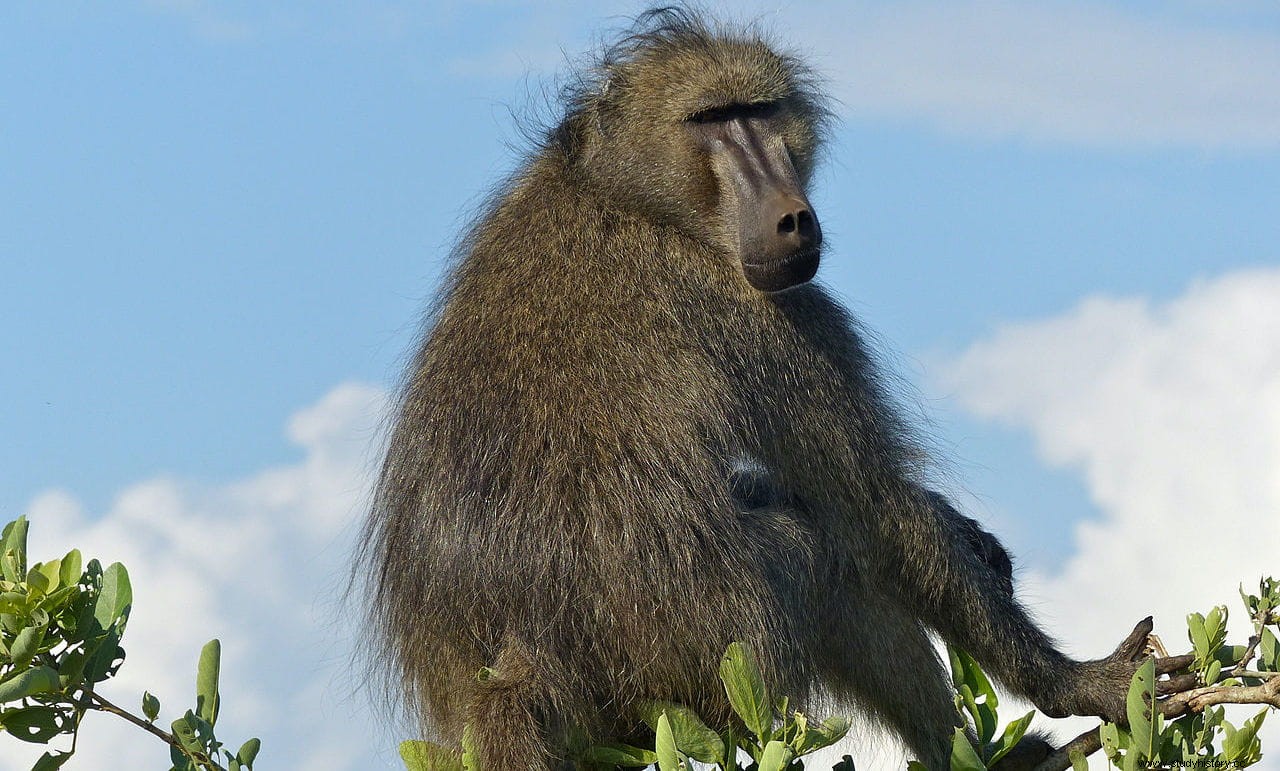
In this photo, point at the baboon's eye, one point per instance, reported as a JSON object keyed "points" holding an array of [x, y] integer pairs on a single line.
{"points": [[728, 112]]}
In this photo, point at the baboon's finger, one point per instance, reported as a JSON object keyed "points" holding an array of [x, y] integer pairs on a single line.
{"points": [[1134, 646], [1173, 663], [1177, 684]]}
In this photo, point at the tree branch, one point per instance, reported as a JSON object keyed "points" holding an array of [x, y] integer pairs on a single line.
{"points": [[99, 703], [1087, 743], [1199, 698], [1194, 700]]}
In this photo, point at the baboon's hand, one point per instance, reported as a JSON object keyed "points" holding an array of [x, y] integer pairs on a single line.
{"points": [[1102, 685]]}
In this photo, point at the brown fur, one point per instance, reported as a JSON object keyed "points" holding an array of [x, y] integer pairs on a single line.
{"points": [[613, 456]]}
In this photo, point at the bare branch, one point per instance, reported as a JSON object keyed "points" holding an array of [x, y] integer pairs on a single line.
{"points": [[1249, 651], [1199, 698], [1267, 693]]}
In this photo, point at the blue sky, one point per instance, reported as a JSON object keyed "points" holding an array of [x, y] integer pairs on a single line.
{"points": [[219, 213]]}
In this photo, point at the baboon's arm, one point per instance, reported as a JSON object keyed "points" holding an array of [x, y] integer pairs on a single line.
{"points": [[966, 595], [984, 545]]}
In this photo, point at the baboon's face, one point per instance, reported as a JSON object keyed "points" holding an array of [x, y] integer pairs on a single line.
{"points": [[718, 140], [763, 215]]}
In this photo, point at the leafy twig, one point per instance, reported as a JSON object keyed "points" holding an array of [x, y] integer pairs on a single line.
{"points": [[96, 701]]}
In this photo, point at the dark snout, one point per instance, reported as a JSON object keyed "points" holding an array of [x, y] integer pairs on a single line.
{"points": [[778, 233], [780, 245]]}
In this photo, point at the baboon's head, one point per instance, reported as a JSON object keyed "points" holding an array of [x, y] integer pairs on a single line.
{"points": [[710, 132]]}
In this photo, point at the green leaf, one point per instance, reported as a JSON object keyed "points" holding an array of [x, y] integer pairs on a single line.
{"points": [[469, 760], [204, 731], [427, 756], [1249, 600], [692, 736], [977, 694], [1270, 589], [1012, 735], [70, 568], [825, 734], [10, 569], [179, 760], [963, 756], [13, 546], [776, 757], [1209, 722], [150, 706], [1132, 761], [25, 645], [795, 729], [51, 761], [58, 601], [1243, 744], [106, 658], [1215, 625], [39, 616], [1269, 651], [248, 752], [965, 694], [414, 754], [37, 582], [184, 731], [746, 690], [1114, 740], [966, 671], [52, 571], [28, 683], [618, 754], [207, 699], [1078, 762], [34, 724], [664, 746], [1143, 725], [1181, 735], [1213, 621], [1199, 637], [1212, 671], [13, 603], [1229, 655], [71, 669], [115, 597]]}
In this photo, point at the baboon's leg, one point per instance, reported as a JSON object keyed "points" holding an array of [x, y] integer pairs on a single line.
{"points": [[507, 718], [881, 659]]}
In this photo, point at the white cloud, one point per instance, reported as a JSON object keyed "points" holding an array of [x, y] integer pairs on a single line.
{"points": [[260, 563], [1185, 75], [1078, 72], [1171, 412], [1089, 74]]}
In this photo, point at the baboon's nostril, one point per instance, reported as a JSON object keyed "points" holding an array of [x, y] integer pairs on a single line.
{"points": [[787, 224], [804, 222]]}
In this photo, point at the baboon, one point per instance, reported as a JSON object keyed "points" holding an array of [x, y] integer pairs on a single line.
{"points": [[636, 431]]}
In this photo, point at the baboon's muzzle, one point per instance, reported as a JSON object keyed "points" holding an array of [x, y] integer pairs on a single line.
{"points": [[778, 235]]}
